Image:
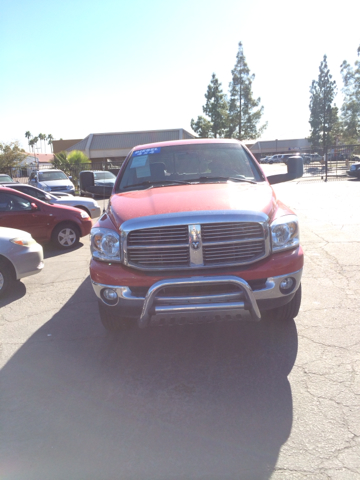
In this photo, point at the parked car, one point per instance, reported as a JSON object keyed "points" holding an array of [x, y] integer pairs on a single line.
{"points": [[87, 204], [52, 180], [313, 158], [194, 226], [284, 157], [96, 182], [354, 170], [62, 225], [4, 178], [275, 159], [20, 256], [265, 159]]}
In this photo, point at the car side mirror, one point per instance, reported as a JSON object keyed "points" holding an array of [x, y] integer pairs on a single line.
{"points": [[295, 167], [70, 176], [34, 207]]}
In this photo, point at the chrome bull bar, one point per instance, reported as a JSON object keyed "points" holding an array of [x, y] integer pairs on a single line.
{"points": [[153, 304]]}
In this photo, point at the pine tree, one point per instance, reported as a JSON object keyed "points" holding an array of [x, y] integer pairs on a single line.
{"points": [[245, 111], [215, 109], [323, 114], [350, 110]]}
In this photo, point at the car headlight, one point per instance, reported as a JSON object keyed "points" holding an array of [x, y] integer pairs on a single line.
{"points": [[84, 214], [44, 187], [105, 244], [24, 242], [285, 233], [69, 187]]}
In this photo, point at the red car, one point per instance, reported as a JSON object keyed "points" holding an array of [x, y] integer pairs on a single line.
{"points": [[62, 225], [194, 226]]}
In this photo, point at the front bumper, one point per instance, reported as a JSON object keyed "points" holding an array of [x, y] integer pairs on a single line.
{"points": [[354, 173], [240, 297], [27, 260]]}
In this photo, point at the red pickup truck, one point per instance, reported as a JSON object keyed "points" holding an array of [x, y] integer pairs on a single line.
{"points": [[194, 229]]}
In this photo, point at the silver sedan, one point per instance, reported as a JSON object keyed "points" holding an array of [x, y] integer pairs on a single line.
{"points": [[20, 256], [87, 204]]}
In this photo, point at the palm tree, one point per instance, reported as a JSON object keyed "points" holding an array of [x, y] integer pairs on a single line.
{"points": [[50, 138], [28, 136], [31, 144], [35, 139], [42, 136]]}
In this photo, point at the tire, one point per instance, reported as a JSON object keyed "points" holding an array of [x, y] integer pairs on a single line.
{"points": [[6, 278], [286, 312], [113, 322], [65, 236]]}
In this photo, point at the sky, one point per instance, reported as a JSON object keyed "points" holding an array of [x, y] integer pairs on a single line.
{"points": [[73, 67]]}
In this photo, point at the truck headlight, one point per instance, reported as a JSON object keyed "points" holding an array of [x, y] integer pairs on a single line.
{"points": [[44, 187], [105, 245], [285, 233]]}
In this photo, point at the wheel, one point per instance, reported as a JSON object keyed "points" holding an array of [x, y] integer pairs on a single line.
{"points": [[65, 236], [6, 278], [286, 312], [112, 321]]}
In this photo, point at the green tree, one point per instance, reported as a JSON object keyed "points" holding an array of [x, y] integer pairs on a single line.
{"points": [[28, 136], [201, 126], [216, 109], [42, 138], [50, 139], [76, 157], [323, 114], [350, 110], [61, 161], [11, 154], [245, 111]]}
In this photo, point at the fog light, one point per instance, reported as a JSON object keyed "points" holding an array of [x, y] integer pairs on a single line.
{"points": [[287, 285], [109, 296]]}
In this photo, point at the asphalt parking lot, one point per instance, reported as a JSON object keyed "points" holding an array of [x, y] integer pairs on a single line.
{"points": [[211, 402]]}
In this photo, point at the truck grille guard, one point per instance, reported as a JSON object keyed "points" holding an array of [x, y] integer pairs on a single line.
{"points": [[153, 303]]}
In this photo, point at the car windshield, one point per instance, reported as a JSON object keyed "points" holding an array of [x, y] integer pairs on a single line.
{"points": [[189, 163], [45, 176], [104, 176], [6, 179]]}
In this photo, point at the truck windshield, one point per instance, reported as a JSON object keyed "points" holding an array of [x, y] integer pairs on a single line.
{"points": [[45, 176], [188, 163], [104, 176]]}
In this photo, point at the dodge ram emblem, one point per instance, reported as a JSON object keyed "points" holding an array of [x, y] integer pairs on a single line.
{"points": [[195, 237], [195, 245]]}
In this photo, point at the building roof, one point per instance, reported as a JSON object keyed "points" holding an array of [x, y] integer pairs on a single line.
{"points": [[268, 146], [128, 140], [42, 157]]}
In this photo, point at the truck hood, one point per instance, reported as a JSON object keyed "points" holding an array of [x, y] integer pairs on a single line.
{"points": [[56, 183], [190, 198]]}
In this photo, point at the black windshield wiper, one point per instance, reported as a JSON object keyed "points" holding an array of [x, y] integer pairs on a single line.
{"points": [[152, 183], [221, 179]]}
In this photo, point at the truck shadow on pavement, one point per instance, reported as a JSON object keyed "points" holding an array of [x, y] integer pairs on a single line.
{"points": [[51, 251], [207, 402]]}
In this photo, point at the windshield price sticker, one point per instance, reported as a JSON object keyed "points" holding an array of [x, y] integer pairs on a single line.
{"points": [[146, 151], [139, 161]]}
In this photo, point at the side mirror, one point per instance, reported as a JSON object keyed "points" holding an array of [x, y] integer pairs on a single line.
{"points": [[70, 176], [295, 167], [34, 207]]}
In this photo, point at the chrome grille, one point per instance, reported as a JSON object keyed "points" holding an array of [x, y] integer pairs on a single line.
{"points": [[216, 232], [159, 236], [168, 247], [233, 252], [160, 257]]}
